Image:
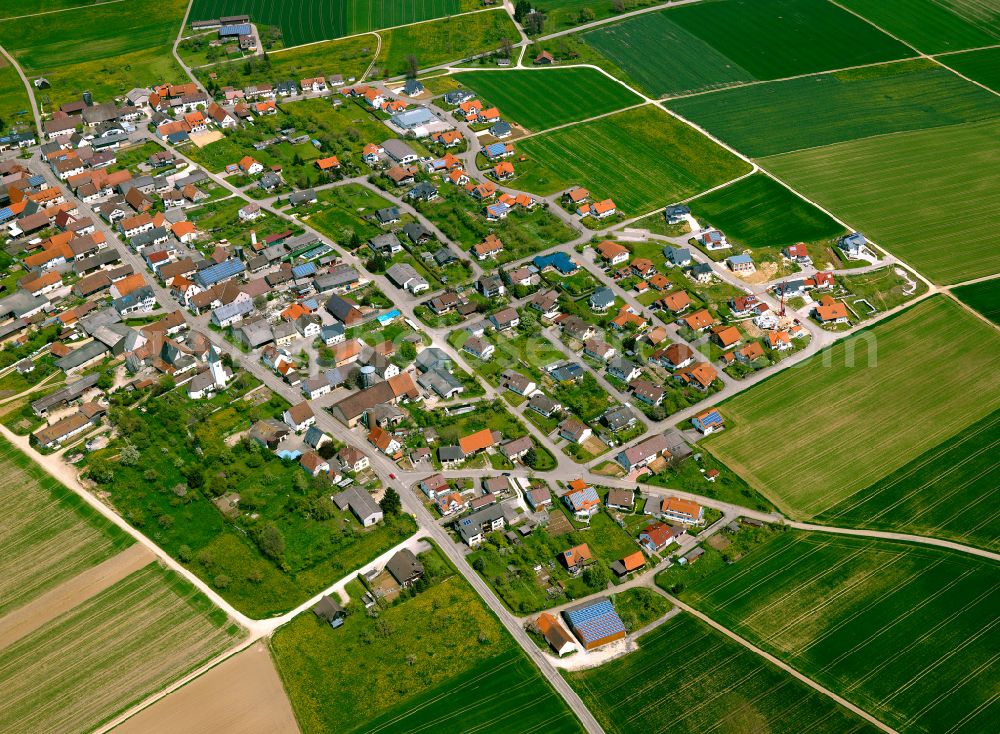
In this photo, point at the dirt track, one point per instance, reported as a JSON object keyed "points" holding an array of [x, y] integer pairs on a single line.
{"points": [[243, 695], [70, 593]]}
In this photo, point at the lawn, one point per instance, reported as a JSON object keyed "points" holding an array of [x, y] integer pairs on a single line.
{"points": [[946, 492], [388, 671], [983, 296], [306, 21], [916, 194], [641, 158], [340, 213], [347, 56], [49, 534], [711, 44], [284, 542], [540, 99], [112, 650], [883, 288], [759, 212], [452, 39], [779, 117], [639, 607], [720, 686], [982, 66], [863, 408], [934, 26], [903, 631], [115, 47]]}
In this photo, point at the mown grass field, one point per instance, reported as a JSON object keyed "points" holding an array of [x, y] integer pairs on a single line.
{"points": [[810, 437], [546, 98], [30, 7], [13, 98], [757, 211], [432, 661], [903, 631], [444, 40], [983, 296], [934, 26], [704, 45], [107, 653], [720, 686], [562, 14], [114, 47], [916, 194], [947, 492], [641, 158], [767, 119], [982, 66], [306, 21], [48, 534]]}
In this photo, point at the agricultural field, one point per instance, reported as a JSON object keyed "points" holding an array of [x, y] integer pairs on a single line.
{"points": [[642, 158], [13, 99], [394, 671], [527, 97], [814, 408], [30, 7], [441, 41], [983, 296], [779, 117], [721, 686], [48, 533], [757, 211], [349, 57], [916, 194], [982, 66], [946, 492], [120, 645], [906, 632], [137, 53], [307, 21], [563, 14], [934, 26], [706, 45]]}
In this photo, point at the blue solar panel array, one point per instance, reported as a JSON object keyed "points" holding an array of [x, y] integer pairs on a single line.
{"points": [[218, 273], [595, 622], [243, 29]]}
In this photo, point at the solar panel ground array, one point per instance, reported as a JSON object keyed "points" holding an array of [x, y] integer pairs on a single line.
{"points": [[708, 44], [306, 21], [906, 632]]}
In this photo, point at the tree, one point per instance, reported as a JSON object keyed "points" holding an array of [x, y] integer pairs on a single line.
{"points": [[534, 23], [327, 450], [587, 15], [129, 455], [412, 67], [597, 576], [407, 351], [521, 9], [390, 503], [531, 457], [272, 542]]}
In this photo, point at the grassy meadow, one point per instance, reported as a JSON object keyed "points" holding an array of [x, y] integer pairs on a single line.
{"points": [[863, 408], [916, 194], [112, 650], [906, 632], [13, 99], [721, 687], [983, 296], [779, 117], [48, 533], [946, 492], [709, 44], [641, 158], [757, 211], [934, 26], [547, 98]]}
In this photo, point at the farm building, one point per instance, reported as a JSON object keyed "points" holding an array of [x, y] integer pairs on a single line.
{"points": [[595, 623], [553, 632]]}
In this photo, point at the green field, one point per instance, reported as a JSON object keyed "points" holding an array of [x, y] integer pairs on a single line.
{"points": [[863, 408], [983, 296], [767, 119], [641, 158], [541, 99], [915, 194], [112, 650], [48, 533], [721, 687], [30, 7], [721, 42], [306, 21], [934, 26], [563, 14], [759, 212], [905, 632], [13, 99], [436, 660], [982, 66], [947, 492]]}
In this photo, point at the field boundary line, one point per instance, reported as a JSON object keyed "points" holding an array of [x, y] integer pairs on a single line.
{"points": [[966, 50], [777, 662], [61, 10]]}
